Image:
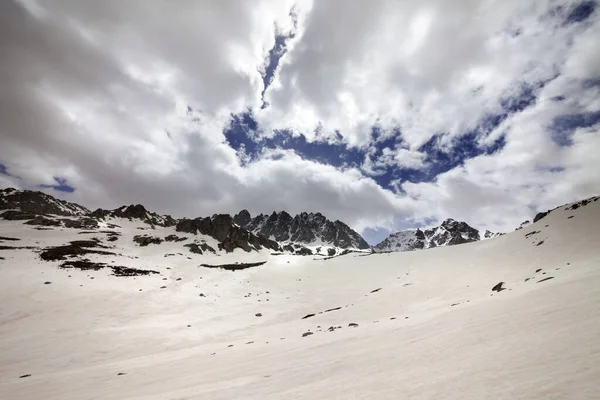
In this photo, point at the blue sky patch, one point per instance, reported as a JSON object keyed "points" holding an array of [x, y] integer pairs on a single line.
{"points": [[61, 185], [563, 126], [580, 12], [275, 54]]}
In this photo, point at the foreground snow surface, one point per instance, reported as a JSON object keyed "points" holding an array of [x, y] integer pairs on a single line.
{"points": [[434, 330]]}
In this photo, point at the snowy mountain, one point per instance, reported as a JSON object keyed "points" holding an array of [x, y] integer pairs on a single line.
{"points": [[449, 233], [28, 201], [304, 228], [325, 238]]}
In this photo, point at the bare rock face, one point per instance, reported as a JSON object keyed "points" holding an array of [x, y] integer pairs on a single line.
{"points": [[230, 235], [138, 212], [304, 228], [539, 216], [38, 203], [145, 240], [242, 218]]}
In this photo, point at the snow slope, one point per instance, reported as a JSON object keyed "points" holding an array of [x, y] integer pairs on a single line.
{"points": [[429, 325]]}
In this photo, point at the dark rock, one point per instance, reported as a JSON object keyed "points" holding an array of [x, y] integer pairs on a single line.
{"points": [[25, 376], [498, 287], [47, 283], [43, 221], [332, 309], [242, 218], [138, 212], [376, 290], [145, 240], [258, 315], [234, 267], [303, 228], [538, 270], [121, 374], [76, 248], [8, 238], [38, 203], [81, 223], [308, 316], [305, 334], [175, 238], [545, 279], [199, 248], [121, 271], [540, 215], [230, 236], [352, 325]]}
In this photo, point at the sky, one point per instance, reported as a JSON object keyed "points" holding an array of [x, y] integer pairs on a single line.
{"points": [[386, 115]]}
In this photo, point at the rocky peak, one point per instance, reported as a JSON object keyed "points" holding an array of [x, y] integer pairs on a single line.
{"points": [[35, 202], [229, 234], [450, 232], [242, 218], [304, 228], [136, 211]]}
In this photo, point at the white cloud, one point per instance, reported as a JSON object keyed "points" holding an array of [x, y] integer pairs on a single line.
{"points": [[97, 93]]}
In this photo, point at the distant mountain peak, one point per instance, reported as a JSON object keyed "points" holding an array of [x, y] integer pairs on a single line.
{"points": [[450, 232], [304, 228], [135, 211], [38, 203]]}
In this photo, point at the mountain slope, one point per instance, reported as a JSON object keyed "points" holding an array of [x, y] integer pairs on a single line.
{"points": [[304, 228], [416, 325]]}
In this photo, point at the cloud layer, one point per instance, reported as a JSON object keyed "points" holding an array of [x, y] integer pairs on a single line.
{"points": [[481, 111]]}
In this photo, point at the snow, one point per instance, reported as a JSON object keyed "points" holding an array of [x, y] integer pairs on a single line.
{"points": [[460, 341]]}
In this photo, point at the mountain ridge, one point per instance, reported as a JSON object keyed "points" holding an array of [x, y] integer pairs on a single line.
{"points": [[449, 233], [304, 228]]}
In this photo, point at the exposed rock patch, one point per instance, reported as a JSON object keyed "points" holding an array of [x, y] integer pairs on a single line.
{"points": [[117, 270], [145, 240], [498, 287], [234, 267], [75, 248], [230, 235]]}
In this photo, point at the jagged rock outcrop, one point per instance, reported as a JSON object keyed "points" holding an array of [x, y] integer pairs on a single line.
{"points": [[138, 212], [449, 233], [242, 218], [304, 228], [229, 235], [38, 203]]}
